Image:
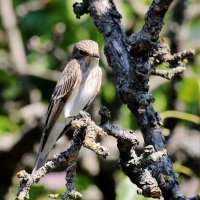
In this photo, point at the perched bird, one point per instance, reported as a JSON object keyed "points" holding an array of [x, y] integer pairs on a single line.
{"points": [[76, 88]]}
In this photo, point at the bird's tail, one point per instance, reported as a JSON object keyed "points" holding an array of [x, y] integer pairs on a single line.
{"points": [[46, 145], [41, 156], [40, 161]]}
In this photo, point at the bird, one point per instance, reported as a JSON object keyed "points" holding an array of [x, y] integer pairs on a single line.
{"points": [[76, 88]]}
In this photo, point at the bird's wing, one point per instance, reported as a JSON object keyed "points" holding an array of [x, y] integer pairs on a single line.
{"points": [[69, 79]]}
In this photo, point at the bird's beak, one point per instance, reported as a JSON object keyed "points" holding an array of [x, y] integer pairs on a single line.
{"points": [[96, 55]]}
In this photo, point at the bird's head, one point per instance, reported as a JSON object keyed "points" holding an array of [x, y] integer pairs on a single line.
{"points": [[86, 49]]}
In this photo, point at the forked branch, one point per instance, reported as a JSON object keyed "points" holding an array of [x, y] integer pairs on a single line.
{"points": [[134, 58]]}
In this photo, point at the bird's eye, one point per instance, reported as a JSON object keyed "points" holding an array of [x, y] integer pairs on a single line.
{"points": [[81, 52]]}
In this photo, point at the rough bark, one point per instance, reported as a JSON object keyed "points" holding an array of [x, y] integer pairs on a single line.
{"points": [[133, 59]]}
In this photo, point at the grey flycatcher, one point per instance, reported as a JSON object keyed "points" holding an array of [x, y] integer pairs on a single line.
{"points": [[76, 88]]}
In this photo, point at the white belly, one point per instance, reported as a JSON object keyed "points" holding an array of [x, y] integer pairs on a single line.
{"points": [[84, 94]]}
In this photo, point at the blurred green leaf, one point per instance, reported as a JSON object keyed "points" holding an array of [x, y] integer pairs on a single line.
{"points": [[7, 125], [108, 92], [127, 120], [161, 97], [10, 86], [189, 90], [160, 103], [82, 182], [196, 69], [39, 63], [38, 192]]}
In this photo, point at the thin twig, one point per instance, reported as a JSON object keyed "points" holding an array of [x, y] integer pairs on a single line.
{"points": [[168, 74]]}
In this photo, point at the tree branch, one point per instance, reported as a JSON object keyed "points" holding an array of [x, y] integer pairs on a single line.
{"points": [[86, 132], [131, 60], [168, 74]]}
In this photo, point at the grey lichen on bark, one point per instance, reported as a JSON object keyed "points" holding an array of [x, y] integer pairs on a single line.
{"points": [[134, 58]]}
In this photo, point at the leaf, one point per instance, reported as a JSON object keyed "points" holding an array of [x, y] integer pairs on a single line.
{"points": [[10, 86], [109, 92], [7, 125], [189, 90], [38, 192], [82, 182], [127, 119]]}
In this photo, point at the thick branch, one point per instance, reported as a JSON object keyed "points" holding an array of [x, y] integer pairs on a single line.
{"points": [[149, 34], [131, 59], [107, 19]]}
